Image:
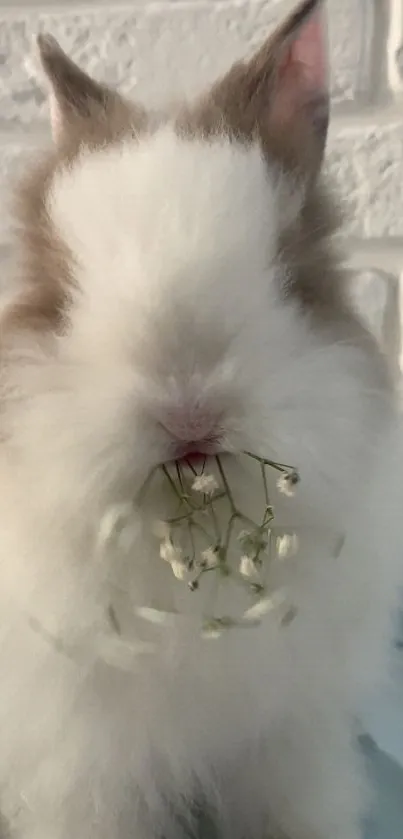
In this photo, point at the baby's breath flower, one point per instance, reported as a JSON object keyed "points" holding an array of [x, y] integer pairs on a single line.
{"points": [[179, 569], [205, 517], [265, 606], [205, 483], [247, 566], [209, 558], [287, 482], [169, 552], [287, 545]]}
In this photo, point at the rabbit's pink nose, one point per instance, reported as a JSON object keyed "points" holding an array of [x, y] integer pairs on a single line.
{"points": [[190, 425]]}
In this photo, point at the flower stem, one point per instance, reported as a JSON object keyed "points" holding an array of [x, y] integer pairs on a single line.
{"points": [[265, 487], [214, 519], [280, 467], [226, 485], [172, 483]]}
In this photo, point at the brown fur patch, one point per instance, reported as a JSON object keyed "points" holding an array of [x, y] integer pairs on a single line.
{"points": [[90, 115], [241, 107], [45, 261]]}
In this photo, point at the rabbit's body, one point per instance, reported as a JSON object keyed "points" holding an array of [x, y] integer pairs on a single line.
{"points": [[257, 727], [179, 286]]}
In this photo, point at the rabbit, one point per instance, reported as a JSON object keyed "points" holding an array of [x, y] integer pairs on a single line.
{"points": [[179, 292]]}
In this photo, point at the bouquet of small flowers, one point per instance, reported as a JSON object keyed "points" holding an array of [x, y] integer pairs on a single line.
{"points": [[200, 498], [203, 501]]}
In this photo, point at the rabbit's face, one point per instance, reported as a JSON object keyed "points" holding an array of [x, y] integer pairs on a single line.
{"points": [[182, 267], [180, 314]]}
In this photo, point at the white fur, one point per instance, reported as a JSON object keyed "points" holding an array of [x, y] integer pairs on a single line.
{"points": [[175, 245]]}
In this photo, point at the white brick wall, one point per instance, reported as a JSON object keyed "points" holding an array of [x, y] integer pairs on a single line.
{"points": [[158, 48]]}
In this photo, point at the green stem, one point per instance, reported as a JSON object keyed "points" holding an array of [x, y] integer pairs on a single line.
{"points": [[172, 483], [179, 476], [226, 485], [181, 496], [265, 487], [200, 527], [185, 493], [192, 542], [280, 467], [214, 519], [188, 517], [202, 572], [176, 519], [230, 528], [191, 467], [247, 520]]}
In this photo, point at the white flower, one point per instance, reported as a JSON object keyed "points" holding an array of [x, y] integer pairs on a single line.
{"points": [[287, 482], [265, 606], [247, 567], [172, 554], [287, 545], [209, 558], [179, 569], [169, 552], [205, 483]]}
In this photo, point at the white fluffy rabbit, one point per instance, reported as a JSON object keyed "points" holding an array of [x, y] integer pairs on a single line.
{"points": [[179, 291]]}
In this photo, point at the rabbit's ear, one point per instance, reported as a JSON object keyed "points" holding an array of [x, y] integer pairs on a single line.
{"points": [[79, 104], [300, 90], [280, 95]]}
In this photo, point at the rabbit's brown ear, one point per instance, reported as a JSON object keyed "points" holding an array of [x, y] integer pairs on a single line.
{"points": [[79, 104], [281, 94], [300, 56]]}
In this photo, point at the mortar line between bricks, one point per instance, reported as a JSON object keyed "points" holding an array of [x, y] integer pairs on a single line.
{"points": [[349, 114], [86, 7], [384, 254], [394, 44], [341, 117], [378, 82]]}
